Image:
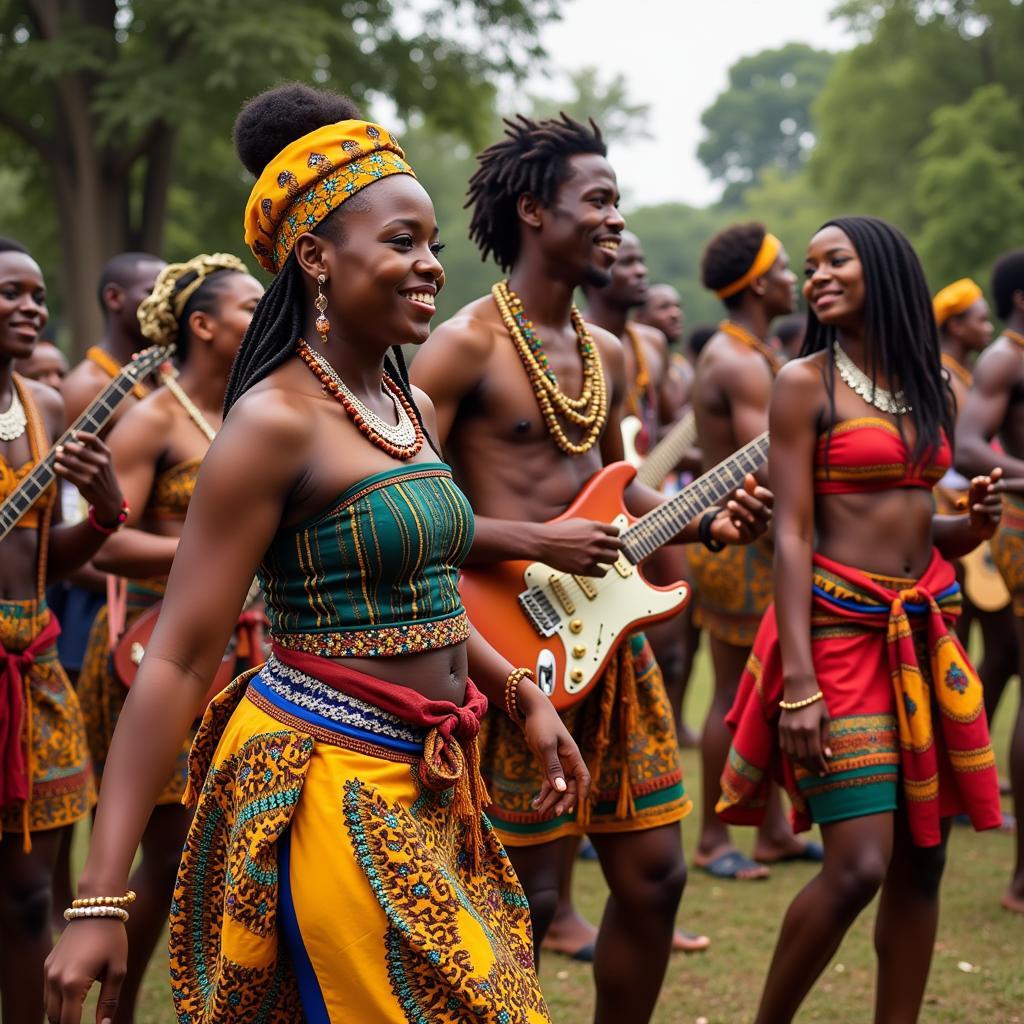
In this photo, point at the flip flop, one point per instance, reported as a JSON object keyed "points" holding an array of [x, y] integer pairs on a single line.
{"points": [[813, 852], [691, 942], [730, 864]]}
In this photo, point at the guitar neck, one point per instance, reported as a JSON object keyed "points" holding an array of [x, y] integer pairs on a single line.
{"points": [[660, 525], [663, 457], [42, 475]]}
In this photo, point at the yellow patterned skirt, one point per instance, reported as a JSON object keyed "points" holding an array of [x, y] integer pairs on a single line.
{"points": [[734, 589], [62, 790], [1008, 549], [103, 695], [321, 882], [626, 734]]}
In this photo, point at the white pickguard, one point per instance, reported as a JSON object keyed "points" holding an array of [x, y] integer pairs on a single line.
{"points": [[594, 621]]}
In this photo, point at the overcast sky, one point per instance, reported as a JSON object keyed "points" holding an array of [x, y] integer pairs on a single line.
{"points": [[675, 55]]}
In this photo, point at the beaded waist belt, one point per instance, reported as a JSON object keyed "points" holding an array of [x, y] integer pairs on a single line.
{"points": [[305, 703]]}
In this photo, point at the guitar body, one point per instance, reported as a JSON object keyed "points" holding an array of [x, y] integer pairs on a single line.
{"points": [[583, 618], [983, 583]]}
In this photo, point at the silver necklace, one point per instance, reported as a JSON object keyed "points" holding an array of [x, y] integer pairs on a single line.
{"points": [[401, 434], [861, 384], [14, 421], [188, 405]]}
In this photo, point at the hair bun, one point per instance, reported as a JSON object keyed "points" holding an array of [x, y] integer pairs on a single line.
{"points": [[279, 116]]}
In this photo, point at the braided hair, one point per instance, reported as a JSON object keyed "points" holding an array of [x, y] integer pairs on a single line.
{"points": [[266, 125], [533, 159], [899, 328], [728, 256]]}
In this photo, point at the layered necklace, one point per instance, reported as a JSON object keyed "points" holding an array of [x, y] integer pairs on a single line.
{"points": [[752, 341], [401, 440], [193, 410], [590, 410], [14, 421], [861, 384]]}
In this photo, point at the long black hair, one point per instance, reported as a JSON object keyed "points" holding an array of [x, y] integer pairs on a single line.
{"points": [[264, 127], [902, 341]]}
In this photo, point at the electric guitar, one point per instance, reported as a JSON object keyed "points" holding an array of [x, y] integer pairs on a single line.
{"points": [[662, 458], [92, 421], [566, 627]]}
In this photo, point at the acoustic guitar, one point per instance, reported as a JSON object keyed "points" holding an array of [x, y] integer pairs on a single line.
{"points": [[92, 421], [565, 626]]}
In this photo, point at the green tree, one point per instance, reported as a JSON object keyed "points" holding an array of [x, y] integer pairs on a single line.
{"points": [[763, 119], [969, 192], [99, 97]]}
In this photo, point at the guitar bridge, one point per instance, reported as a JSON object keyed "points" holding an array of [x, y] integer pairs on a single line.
{"points": [[540, 611]]}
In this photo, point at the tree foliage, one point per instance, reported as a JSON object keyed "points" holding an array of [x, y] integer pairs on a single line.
{"points": [[762, 121]]}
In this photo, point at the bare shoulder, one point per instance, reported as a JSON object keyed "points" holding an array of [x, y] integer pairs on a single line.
{"points": [[609, 346], [999, 366], [651, 337], [273, 419], [800, 387], [472, 331], [50, 406], [82, 385]]}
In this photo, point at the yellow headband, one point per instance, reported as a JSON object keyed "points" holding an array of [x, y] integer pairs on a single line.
{"points": [[161, 310], [763, 261], [311, 177], [955, 298]]}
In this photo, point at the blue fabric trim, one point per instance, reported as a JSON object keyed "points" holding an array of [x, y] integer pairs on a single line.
{"points": [[313, 1005], [881, 609], [326, 723]]}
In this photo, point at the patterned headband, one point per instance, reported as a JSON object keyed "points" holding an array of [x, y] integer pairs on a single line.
{"points": [[311, 177]]}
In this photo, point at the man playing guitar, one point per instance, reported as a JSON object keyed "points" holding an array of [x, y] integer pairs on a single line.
{"points": [[523, 444]]}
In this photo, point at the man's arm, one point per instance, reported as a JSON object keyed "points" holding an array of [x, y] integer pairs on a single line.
{"points": [[997, 372]]}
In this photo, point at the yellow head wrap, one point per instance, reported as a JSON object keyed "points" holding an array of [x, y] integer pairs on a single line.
{"points": [[311, 177], [161, 310], [763, 261], [955, 298]]}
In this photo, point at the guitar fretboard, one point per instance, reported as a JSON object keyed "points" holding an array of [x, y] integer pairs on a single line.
{"points": [[660, 525], [91, 421], [663, 457]]}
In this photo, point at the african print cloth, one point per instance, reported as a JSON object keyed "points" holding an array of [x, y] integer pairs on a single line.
{"points": [[1008, 549], [323, 881], [53, 753], [103, 694], [626, 734], [733, 587], [904, 701]]}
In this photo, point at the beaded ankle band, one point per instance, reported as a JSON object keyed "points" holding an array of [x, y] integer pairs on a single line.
{"points": [[78, 913], [104, 901], [515, 677]]}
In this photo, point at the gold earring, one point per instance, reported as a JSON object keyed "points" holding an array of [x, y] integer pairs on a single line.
{"points": [[323, 325]]}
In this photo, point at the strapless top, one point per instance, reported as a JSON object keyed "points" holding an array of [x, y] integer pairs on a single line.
{"points": [[172, 490]]}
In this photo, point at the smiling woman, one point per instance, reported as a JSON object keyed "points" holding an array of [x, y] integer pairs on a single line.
{"points": [[339, 866]]}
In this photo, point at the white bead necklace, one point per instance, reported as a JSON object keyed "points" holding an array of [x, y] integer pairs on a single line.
{"points": [[14, 421], [861, 384]]}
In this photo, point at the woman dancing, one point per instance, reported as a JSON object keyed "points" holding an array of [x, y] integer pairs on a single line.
{"points": [[45, 781], [856, 675], [338, 867], [203, 307]]}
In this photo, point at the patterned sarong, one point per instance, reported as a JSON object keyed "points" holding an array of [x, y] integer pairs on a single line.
{"points": [[1008, 549], [315, 830], [46, 778], [734, 587], [626, 735], [904, 701]]}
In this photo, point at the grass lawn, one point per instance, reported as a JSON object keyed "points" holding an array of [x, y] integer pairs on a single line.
{"points": [[977, 973]]}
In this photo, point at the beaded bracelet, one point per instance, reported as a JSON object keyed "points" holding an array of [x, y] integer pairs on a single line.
{"points": [[78, 913], [515, 677], [796, 705], [122, 518], [704, 531], [104, 901]]}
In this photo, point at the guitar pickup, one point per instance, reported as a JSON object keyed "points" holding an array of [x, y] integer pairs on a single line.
{"points": [[623, 568], [558, 589], [586, 584]]}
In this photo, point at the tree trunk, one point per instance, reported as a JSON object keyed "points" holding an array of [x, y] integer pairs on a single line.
{"points": [[156, 189]]}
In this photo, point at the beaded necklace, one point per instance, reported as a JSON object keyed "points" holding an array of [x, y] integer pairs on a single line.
{"points": [[861, 384], [401, 441], [590, 410], [752, 341], [961, 372], [14, 420]]}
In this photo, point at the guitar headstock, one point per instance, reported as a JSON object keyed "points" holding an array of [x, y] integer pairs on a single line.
{"points": [[146, 361]]}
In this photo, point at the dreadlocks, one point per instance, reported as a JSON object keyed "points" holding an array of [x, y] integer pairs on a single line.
{"points": [[532, 159], [899, 328]]}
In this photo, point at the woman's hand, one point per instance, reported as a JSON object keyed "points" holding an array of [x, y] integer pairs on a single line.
{"points": [[90, 949], [985, 505], [746, 514], [566, 779], [85, 461], [804, 735]]}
